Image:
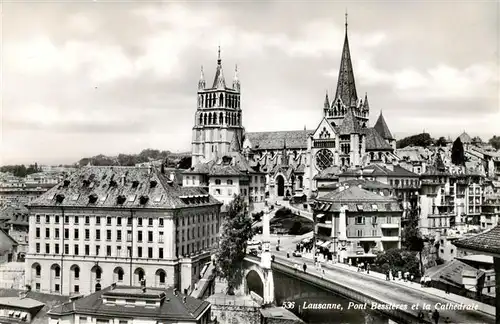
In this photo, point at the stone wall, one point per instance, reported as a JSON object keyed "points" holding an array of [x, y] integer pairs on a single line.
{"points": [[233, 314]]}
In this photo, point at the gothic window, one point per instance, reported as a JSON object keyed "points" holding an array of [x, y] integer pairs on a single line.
{"points": [[201, 119], [324, 133], [238, 104], [324, 159], [221, 100], [227, 118], [205, 101], [295, 154], [239, 118], [204, 119], [221, 118], [215, 118]]}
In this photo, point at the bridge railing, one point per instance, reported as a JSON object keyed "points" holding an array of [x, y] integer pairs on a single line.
{"points": [[233, 301]]}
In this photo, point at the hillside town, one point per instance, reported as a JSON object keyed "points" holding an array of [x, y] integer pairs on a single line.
{"points": [[95, 239]]}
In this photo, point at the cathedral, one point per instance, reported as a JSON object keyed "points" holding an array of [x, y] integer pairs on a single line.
{"points": [[292, 160]]}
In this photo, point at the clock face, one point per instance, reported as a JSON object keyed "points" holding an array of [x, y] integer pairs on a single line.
{"points": [[324, 159]]}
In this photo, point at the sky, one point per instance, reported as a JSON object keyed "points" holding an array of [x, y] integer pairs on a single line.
{"points": [[82, 78]]}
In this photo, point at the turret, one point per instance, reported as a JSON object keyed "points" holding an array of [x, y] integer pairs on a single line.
{"points": [[202, 83]]}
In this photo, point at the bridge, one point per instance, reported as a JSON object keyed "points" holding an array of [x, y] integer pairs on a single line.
{"points": [[292, 284]]}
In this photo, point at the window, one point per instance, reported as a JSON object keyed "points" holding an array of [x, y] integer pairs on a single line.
{"points": [[360, 220], [87, 249], [57, 272], [57, 287], [217, 181], [139, 252], [98, 220], [38, 270], [108, 250], [97, 250], [388, 219], [77, 248], [37, 232], [76, 219], [119, 221], [150, 236], [66, 233], [160, 221], [47, 219], [160, 237], [129, 236], [77, 289], [47, 248], [160, 253], [37, 218], [66, 248], [119, 251], [150, 222], [108, 220], [98, 235], [150, 252], [217, 192], [359, 233], [139, 236], [108, 235], [129, 221], [37, 246], [56, 234], [229, 182], [76, 271], [37, 286], [139, 221], [56, 248], [66, 219], [119, 235], [374, 219], [76, 234], [120, 275], [87, 220], [57, 219], [87, 234]]}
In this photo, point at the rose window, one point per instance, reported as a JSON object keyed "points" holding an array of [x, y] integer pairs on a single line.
{"points": [[324, 159]]}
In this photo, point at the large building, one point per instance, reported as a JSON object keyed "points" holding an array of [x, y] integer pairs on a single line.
{"points": [[105, 225], [292, 159]]}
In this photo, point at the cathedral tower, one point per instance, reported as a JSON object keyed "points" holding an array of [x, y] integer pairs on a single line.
{"points": [[346, 96], [218, 122]]}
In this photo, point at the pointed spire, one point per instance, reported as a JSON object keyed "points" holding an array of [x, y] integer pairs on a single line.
{"points": [[349, 124], [201, 83], [219, 81], [346, 86], [366, 106], [304, 127], [327, 101], [236, 80], [382, 129]]}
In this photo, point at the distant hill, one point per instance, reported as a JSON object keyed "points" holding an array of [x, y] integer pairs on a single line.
{"points": [[182, 160]]}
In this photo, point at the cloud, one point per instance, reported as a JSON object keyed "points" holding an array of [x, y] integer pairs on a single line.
{"points": [[442, 82]]}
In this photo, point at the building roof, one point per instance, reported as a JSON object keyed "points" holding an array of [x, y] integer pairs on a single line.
{"points": [[382, 129], [465, 138], [356, 199], [451, 272], [487, 242], [6, 241], [230, 165], [274, 140], [122, 187], [330, 173], [362, 183], [375, 142], [413, 153], [479, 258], [376, 170], [349, 124], [25, 303], [171, 308]]}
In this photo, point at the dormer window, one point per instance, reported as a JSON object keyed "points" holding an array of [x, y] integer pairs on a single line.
{"points": [[135, 184], [143, 200], [152, 184], [66, 183], [120, 199], [93, 198], [59, 198]]}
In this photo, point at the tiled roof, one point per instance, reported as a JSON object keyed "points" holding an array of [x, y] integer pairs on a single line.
{"points": [[354, 193], [486, 242], [122, 187], [274, 140], [349, 124], [375, 170], [382, 129], [412, 153], [451, 272], [329, 173], [26, 303], [172, 307], [6, 238], [374, 141], [231, 164], [364, 183]]}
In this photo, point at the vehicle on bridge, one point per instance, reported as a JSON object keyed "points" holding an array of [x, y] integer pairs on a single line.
{"points": [[297, 254]]}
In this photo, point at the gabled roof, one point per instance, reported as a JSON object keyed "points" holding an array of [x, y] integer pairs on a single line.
{"points": [[376, 170], [451, 272], [349, 124], [364, 183], [487, 242], [354, 194], [172, 307], [382, 129], [375, 142], [5, 238], [274, 140], [346, 85], [356, 199], [121, 187], [329, 173]]}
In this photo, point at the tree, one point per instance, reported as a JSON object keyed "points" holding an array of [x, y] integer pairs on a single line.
{"points": [[457, 152], [184, 163], [296, 227], [423, 140], [236, 231], [476, 140], [398, 260], [495, 142], [441, 141], [411, 236]]}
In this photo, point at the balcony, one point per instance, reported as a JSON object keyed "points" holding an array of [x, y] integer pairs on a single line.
{"points": [[324, 143], [391, 225]]}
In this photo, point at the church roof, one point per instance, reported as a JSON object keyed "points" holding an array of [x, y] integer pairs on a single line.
{"points": [[274, 140], [349, 124], [374, 142], [465, 138], [346, 86], [486, 242], [382, 129]]}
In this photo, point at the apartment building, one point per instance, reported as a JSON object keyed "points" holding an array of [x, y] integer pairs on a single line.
{"points": [[105, 225], [357, 223]]}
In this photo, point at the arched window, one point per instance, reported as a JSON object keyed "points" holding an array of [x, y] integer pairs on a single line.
{"points": [[76, 272], [139, 275], [118, 274], [221, 100], [200, 119], [204, 119], [161, 277], [37, 269], [210, 118], [227, 118], [57, 271], [229, 182], [98, 273], [215, 118], [221, 118]]}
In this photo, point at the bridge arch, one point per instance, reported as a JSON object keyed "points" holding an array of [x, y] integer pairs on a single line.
{"points": [[253, 279]]}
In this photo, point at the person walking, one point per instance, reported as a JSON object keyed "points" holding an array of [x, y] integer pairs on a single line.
{"points": [[368, 268], [435, 316], [421, 317], [304, 267], [447, 289]]}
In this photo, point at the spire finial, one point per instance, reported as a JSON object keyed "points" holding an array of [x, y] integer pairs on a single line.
{"points": [[218, 56], [346, 19]]}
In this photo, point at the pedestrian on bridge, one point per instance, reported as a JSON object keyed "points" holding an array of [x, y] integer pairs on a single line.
{"points": [[435, 316], [304, 267]]}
